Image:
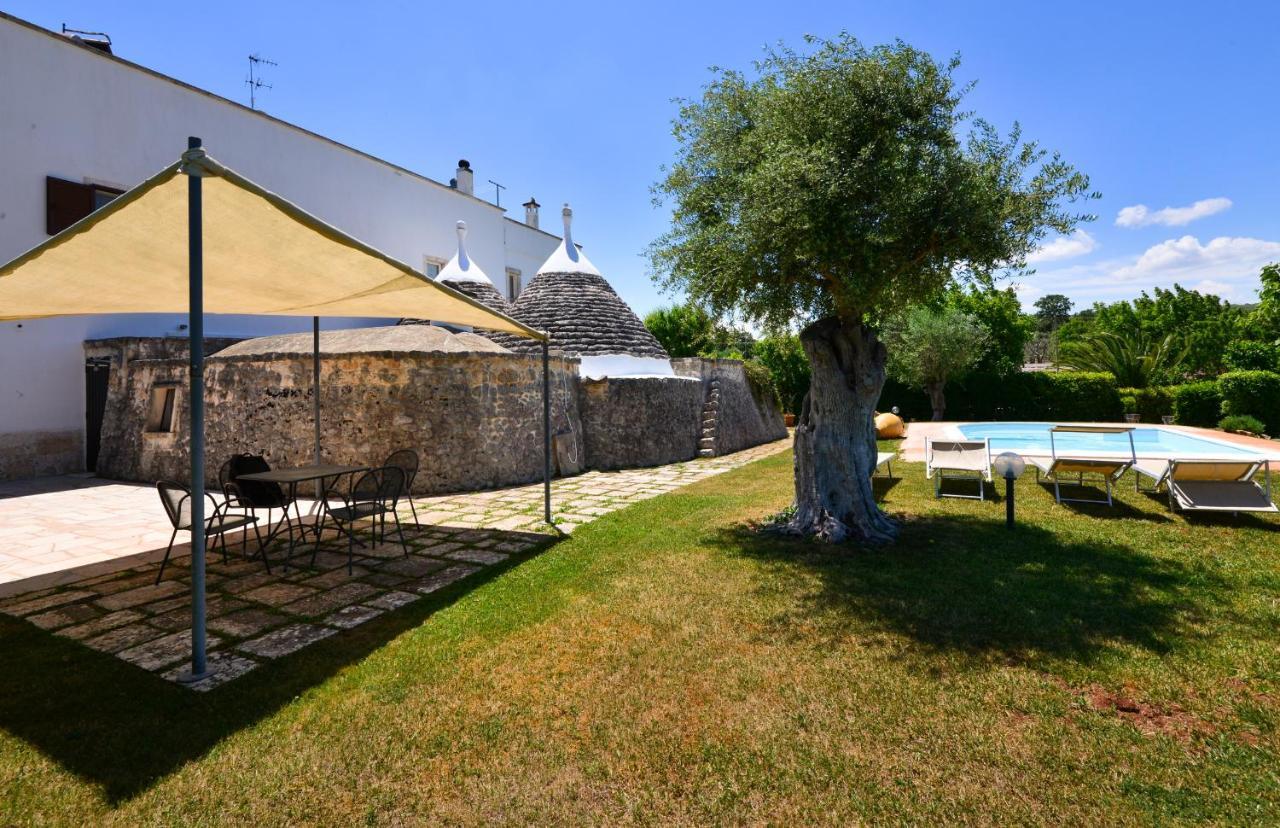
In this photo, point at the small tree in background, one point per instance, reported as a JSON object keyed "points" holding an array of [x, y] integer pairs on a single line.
{"points": [[784, 357], [1135, 359], [1051, 311], [928, 348], [833, 189], [687, 331]]}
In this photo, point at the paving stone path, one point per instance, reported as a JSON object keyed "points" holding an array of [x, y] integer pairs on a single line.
{"points": [[255, 616]]}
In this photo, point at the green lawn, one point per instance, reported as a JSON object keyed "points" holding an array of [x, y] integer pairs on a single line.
{"points": [[663, 665]]}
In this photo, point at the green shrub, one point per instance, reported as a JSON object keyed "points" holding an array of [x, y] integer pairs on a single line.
{"points": [[1242, 422], [1150, 404], [760, 380], [1256, 393], [1250, 355], [1073, 396], [1047, 395], [1197, 404]]}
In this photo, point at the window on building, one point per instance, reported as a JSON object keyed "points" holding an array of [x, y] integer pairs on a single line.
{"points": [[513, 282], [66, 202], [160, 410], [431, 266]]}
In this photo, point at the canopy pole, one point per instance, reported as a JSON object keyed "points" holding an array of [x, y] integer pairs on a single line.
{"points": [[315, 392], [546, 434], [195, 327]]}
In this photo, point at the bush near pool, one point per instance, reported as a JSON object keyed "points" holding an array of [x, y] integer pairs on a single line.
{"points": [[1094, 397]]}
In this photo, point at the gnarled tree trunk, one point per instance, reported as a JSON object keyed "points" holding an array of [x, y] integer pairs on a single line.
{"points": [[835, 444]]}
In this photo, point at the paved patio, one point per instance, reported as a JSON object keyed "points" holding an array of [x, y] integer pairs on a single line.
{"points": [[62, 529]]}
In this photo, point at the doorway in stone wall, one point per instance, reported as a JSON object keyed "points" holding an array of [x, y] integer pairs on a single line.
{"points": [[97, 373]]}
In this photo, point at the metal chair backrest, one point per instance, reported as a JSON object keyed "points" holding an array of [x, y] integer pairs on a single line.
{"points": [[368, 487], [176, 499], [254, 493], [407, 461], [224, 474], [391, 483]]}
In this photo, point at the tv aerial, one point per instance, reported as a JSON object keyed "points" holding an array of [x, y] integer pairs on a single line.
{"points": [[255, 81]]}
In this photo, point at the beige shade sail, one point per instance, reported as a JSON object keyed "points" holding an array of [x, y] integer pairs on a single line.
{"points": [[263, 255]]}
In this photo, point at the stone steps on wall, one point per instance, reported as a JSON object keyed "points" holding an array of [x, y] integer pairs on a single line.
{"points": [[710, 420]]}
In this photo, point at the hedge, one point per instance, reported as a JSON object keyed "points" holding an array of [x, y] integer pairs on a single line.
{"points": [[1040, 395], [1253, 393], [1150, 404], [1197, 404]]}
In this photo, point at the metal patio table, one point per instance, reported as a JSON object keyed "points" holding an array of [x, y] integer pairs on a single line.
{"points": [[291, 478]]}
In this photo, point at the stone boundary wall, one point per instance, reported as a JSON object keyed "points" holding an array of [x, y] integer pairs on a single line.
{"points": [[475, 419], [639, 421], [744, 419]]}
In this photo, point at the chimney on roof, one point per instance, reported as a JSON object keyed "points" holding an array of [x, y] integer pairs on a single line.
{"points": [[531, 212], [465, 178]]}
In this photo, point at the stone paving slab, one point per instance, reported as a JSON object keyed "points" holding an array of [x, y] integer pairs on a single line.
{"points": [[255, 616]]}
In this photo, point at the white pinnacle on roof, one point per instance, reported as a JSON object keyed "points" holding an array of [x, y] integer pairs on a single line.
{"points": [[460, 268], [567, 258]]}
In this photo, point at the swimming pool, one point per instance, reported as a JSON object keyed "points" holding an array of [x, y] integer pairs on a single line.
{"points": [[1148, 441]]}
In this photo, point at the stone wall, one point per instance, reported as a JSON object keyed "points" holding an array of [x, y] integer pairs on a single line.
{"points": [[744, 419], [474, 419], [639, 421]]}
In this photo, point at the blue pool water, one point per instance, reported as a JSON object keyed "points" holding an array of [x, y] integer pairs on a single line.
{"points": [[1148, 441]]}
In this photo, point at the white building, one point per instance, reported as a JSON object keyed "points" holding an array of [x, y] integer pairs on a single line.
{"points": [[78, 125]]}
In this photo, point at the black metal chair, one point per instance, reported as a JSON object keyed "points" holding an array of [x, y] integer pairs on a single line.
{"points": [[176, 499], [374, 495], [407, 461], [252, 495]]}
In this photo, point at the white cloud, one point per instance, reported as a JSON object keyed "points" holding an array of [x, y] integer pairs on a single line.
{"points": [[1139, 215], [1187, 258], [1064, 247], [1227, 266]]}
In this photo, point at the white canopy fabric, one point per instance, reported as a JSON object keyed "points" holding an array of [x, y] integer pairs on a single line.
{"points": [[262, 255]]}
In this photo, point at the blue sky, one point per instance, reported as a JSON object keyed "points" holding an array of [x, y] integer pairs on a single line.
{"points": [[1173, 109]]}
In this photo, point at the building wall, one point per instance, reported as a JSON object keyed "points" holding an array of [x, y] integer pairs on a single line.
{"points": [[73, 113], [474, 419], [744, 419]]}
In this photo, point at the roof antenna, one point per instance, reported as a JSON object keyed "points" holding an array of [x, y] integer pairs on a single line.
{"points": [[254, 81], [497, 191]]}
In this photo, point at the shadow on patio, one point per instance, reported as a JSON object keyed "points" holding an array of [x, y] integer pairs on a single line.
{"points": [[122, 728]]}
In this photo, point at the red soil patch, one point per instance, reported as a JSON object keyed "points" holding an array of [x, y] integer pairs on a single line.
{"points": [[1148, 718]]}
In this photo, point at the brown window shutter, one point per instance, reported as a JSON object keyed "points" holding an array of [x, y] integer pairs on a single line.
{"points": [[66, 202]]}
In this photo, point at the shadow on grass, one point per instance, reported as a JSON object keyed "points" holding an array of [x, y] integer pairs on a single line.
{"points": [[969, 585], [122, 728]]}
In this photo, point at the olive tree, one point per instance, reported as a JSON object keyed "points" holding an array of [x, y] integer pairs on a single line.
{"points": [[927, 348], [831, 188]]}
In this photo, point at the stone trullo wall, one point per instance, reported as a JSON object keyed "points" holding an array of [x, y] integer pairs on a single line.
{"points": [[475, 418]]}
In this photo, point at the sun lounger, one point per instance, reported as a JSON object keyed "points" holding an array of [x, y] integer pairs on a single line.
{"points": [[1219, 486], [885, 458], [957, 458], [1060, 464], [1154, 469]]}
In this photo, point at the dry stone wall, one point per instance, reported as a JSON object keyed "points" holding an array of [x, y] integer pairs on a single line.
{"points": [[744, 418], [639, 421], [474, 419]]}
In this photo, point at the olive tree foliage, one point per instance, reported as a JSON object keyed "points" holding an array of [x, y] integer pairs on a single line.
{"points": [[928, 348], [832, 187]]}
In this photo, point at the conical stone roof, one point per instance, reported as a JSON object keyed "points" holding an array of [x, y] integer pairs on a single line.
{"points": [[569, 299], [465, 276]]}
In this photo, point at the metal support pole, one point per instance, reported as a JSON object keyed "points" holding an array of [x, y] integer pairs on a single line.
{"points": [[315, 393], [546, 433], [1008, 502], [195, 326]]}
